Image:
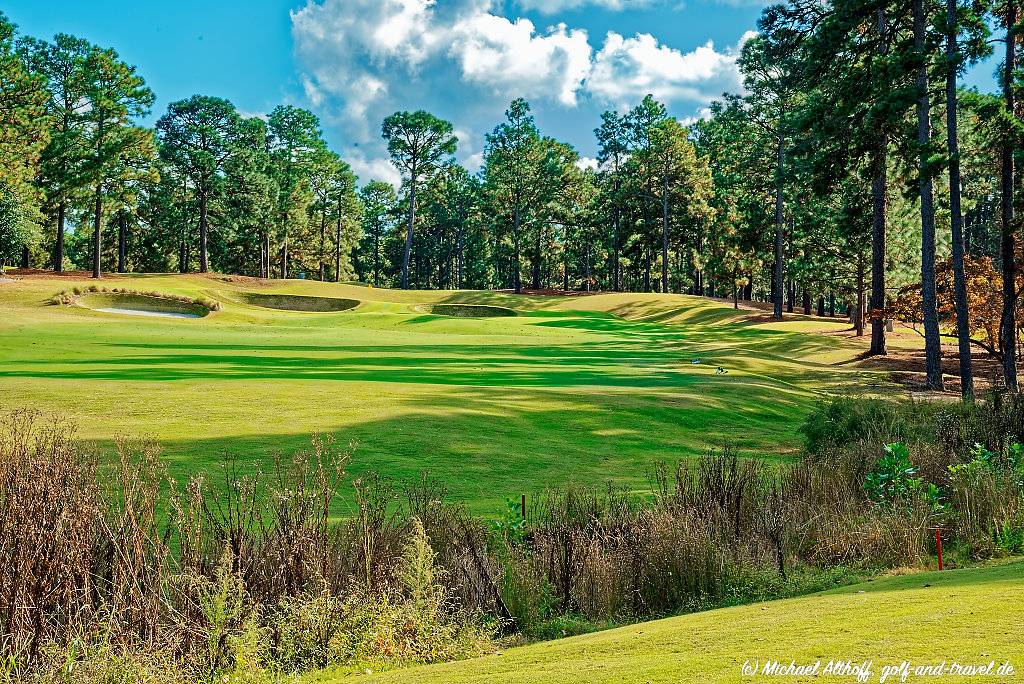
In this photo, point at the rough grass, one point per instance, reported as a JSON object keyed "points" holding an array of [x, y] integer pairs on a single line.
{"points": [[969, 616], [588, 389]]}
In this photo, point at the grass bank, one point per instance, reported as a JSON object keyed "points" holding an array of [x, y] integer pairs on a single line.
{"points": [[969, 616]]}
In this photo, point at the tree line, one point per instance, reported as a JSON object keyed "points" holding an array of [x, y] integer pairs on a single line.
{"points": [[851, 170]]}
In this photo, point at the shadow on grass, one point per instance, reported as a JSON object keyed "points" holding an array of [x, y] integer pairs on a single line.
{"points": [[486, 446], [618, 364]]}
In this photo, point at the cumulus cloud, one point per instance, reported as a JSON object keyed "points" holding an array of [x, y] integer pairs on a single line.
{"points": [[702, 114], [505, 56], [625, 67], [373, 168], [553, 6], [361, 60]]}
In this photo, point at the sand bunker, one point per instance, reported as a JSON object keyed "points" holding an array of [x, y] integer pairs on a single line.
{"points": [[141, 305], [144, 312], [467, 310], [297, 302]]}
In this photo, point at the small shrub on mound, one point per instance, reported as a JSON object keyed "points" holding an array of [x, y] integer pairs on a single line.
{"points": [[286, 302], [468, 310], [63, 298]]}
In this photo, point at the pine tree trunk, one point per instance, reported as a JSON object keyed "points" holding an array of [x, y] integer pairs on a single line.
{"points": [[586, 268], [284, 257], [932, 343], [516, 280], [204, 259], [183, 244], [337, 246], [408, 231], [323, 245], [376, 257], [807, 301], [58, 250], [97, 231], [779, 268], [536, 262], [858, 317], [263, 256], [879, 187], [265, 265], [735, 290], [122, 243], [648, 266], [615, 241], [1008, 327], [963, 329], [98, 215], [664, 234], [24, 256], [565, 270]]}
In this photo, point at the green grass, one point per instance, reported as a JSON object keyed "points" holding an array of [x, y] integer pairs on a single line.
{"points": [[969, 616], [589, 389]]}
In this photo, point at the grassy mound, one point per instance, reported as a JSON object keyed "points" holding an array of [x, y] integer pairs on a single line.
{"points": [[146, 303], [467, 310], [973, 616], [286, 302]]}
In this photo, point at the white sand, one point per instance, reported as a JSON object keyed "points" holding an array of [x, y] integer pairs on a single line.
{"points": [[144, 312]]}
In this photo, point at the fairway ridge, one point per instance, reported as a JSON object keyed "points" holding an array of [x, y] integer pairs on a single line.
{"points": [[467, 310], [972, 617]]}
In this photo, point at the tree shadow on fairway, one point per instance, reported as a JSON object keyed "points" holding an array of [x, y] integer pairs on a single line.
{"points": [[486, 446], [619, 363]]}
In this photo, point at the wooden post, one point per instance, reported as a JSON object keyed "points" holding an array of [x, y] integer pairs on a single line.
{"points": [[523, 507], [938, 544]]}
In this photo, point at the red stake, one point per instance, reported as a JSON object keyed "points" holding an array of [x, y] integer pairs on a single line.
{"points": [[938, 544]]}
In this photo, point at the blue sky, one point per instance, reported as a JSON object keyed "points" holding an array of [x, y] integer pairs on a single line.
{"points": [[355, 61]]}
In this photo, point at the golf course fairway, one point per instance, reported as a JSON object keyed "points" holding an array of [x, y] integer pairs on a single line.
{"points": [[585, 389]]}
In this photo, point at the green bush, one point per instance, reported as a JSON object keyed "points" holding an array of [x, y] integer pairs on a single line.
{"points": [[841, 422], [894, 480]]}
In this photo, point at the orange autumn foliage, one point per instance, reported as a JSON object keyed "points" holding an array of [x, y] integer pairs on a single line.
{"points": [[984, 301]]}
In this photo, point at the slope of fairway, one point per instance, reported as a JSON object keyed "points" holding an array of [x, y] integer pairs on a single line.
{"points": [[968, 616], [591, 389]]}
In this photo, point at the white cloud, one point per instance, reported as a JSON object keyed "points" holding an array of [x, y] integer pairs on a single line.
{"points": [[553, 6], [507, 56], [373, 168], [474, 162], [585, 163], [627, 67], [702, 114]]}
